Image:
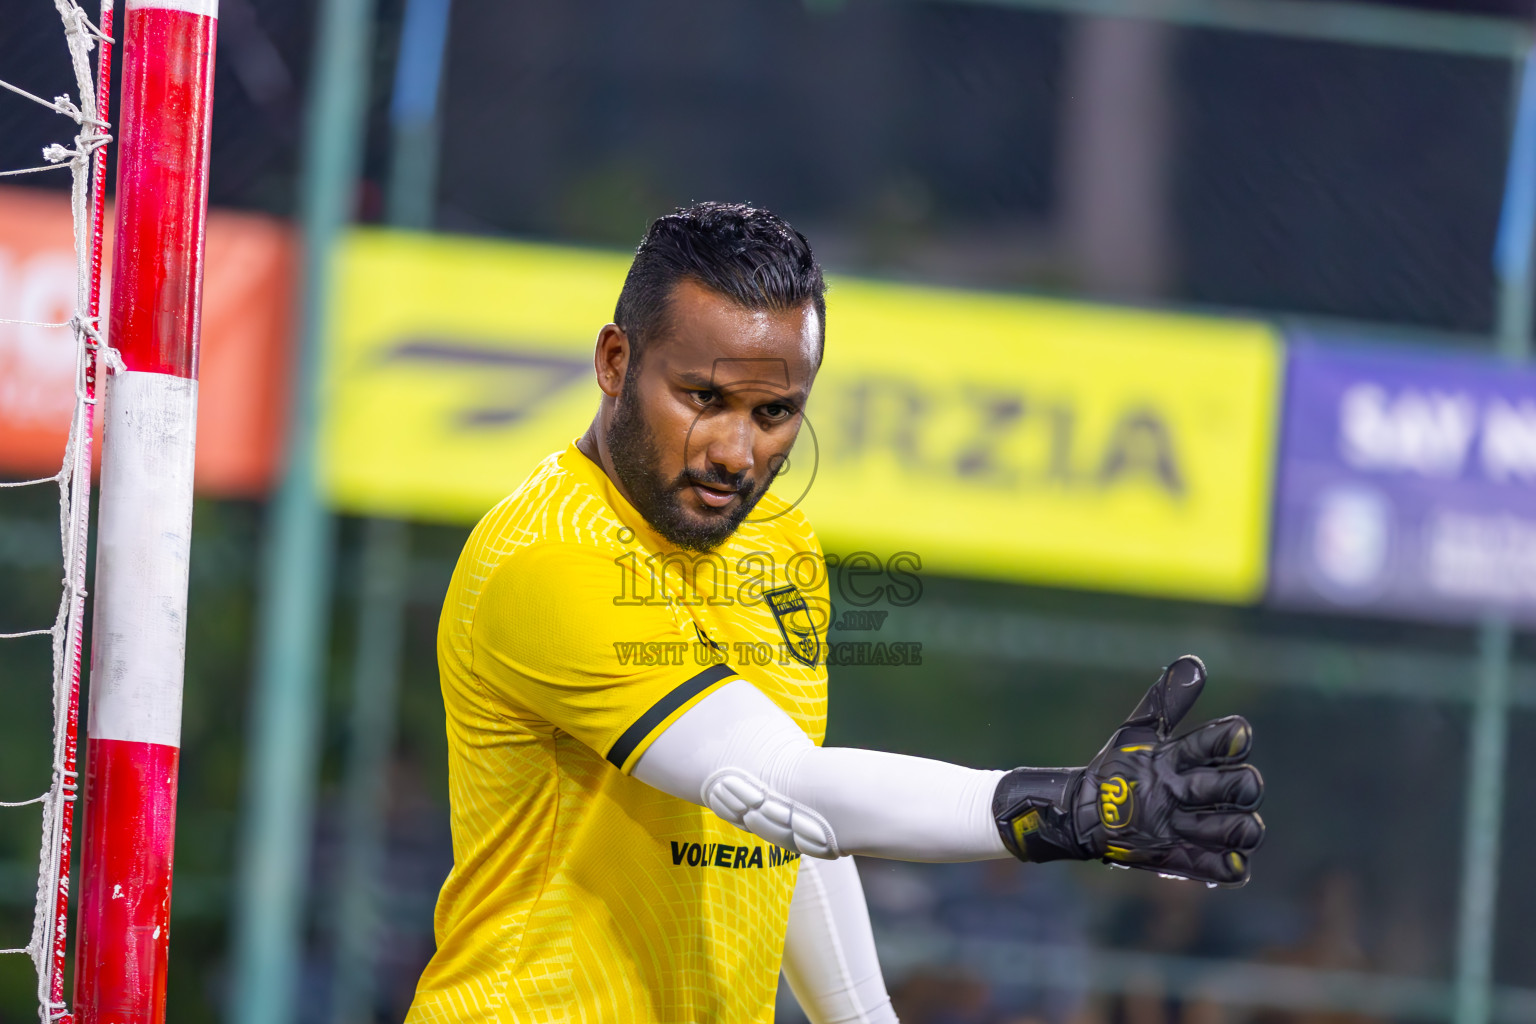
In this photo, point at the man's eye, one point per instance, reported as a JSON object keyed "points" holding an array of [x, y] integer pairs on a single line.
{"points": [[703, 397], [777, 412]]}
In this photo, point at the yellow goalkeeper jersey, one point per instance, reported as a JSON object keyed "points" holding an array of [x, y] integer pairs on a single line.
{"points": [[571, 636]]}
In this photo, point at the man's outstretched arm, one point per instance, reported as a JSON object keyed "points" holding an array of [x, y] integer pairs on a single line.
{"points": [[1182, 807], [739, 754]]}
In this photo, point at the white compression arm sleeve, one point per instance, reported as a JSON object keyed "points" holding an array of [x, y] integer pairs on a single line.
{"points": [[829, 951], [739, 754]]}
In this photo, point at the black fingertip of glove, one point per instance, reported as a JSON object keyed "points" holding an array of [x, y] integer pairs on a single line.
{"points": [[1244, 834], [1256, 832], [1248, 787], [1186, 671], [1224, 741], [1177, 691], [1237, 869], [1239, 740], [1227, 870]]}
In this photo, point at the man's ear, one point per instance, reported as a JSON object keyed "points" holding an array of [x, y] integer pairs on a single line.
{"points": [[611, 359]]}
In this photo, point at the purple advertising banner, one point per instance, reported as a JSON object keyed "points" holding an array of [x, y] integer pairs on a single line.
{"points": [[1407, 484]]}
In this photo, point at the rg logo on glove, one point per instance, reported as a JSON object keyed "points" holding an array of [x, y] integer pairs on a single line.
{"points": [[1115, 802]]}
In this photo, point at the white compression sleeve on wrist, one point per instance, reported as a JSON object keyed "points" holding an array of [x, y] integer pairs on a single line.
{"points": [[739, 754], [829, 950]]}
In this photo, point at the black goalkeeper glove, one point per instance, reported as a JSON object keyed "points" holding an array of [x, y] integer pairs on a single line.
{"points": [[1181, 807]]}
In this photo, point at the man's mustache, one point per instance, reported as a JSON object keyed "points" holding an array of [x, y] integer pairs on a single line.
{"points": [[712, 477]]}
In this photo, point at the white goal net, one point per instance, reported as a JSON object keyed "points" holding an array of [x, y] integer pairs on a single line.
{"points": [[79, 151]]}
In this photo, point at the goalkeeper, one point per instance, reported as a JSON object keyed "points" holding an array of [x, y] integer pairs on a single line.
{"points": [[644, 832]]}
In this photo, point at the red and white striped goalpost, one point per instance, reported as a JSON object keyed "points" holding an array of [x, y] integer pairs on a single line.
{"points": [[145, 514]]}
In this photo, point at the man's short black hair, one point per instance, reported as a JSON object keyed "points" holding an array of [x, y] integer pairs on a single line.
{"points": [[751, 256]]}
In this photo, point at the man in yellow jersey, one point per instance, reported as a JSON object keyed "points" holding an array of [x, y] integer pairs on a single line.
{"points": [[643, 833]]}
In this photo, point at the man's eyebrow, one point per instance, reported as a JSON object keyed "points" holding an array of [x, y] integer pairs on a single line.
{"points": [[696, 380], [795, 398]]}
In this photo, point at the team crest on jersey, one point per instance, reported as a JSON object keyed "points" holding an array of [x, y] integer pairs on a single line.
{"points": [[796, 623]]}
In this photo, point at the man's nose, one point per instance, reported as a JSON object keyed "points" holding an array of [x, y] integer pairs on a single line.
{"points": [[729, 447]]}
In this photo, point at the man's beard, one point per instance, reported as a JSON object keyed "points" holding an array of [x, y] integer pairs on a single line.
{"points": [[633, 449]]}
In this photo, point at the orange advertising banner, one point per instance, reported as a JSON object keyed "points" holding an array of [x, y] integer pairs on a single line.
{"points": [[244, 358]]}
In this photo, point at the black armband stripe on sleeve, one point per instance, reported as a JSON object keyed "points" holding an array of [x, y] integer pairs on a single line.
{"points": [[676, 698]]}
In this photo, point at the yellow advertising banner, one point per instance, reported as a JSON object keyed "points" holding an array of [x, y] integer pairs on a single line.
{"points": [[455, 365], [998, 436]]}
